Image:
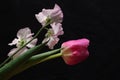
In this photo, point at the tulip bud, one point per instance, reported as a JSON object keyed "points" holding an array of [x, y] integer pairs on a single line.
{"points": [[75, 51]]}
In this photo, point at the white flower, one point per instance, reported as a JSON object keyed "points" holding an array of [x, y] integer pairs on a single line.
{"points": [[50, 15], [52, 35], [23, 36], [54, 17]]}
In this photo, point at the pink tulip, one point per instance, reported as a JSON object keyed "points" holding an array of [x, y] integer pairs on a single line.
{"points": [[75, 51]]}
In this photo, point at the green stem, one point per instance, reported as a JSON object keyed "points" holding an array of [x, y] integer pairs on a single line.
{"points": [[38, 58], [51, 57]]}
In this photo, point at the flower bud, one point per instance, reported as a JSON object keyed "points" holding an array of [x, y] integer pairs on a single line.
{"points": [[75, 51]]}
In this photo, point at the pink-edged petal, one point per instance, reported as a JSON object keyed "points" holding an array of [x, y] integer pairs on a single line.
{"points": [[52, 42], [57, 28], [57, 14], [32, 43], [14, 42], [47, 12], [45, 40], [23, 33], [30, 35], [41, 18]]}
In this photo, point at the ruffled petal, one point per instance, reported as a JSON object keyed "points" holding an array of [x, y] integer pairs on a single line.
{"points": [[52, 42], [14, 42], [57, 28], [55, 15], [23, 33], [41, 18], [32, 43]]}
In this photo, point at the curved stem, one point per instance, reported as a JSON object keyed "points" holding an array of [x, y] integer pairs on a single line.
{"points": [[51, 57]]}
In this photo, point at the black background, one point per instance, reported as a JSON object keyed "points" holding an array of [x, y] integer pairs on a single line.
{"points": [[97, 20]]}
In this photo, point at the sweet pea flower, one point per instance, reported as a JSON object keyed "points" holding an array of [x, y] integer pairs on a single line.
{"points": [[23, 36], [52, 35], [50, 15], [75, 51]]}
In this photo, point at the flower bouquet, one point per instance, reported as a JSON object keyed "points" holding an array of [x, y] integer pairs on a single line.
{"points": [[28, 53]]}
